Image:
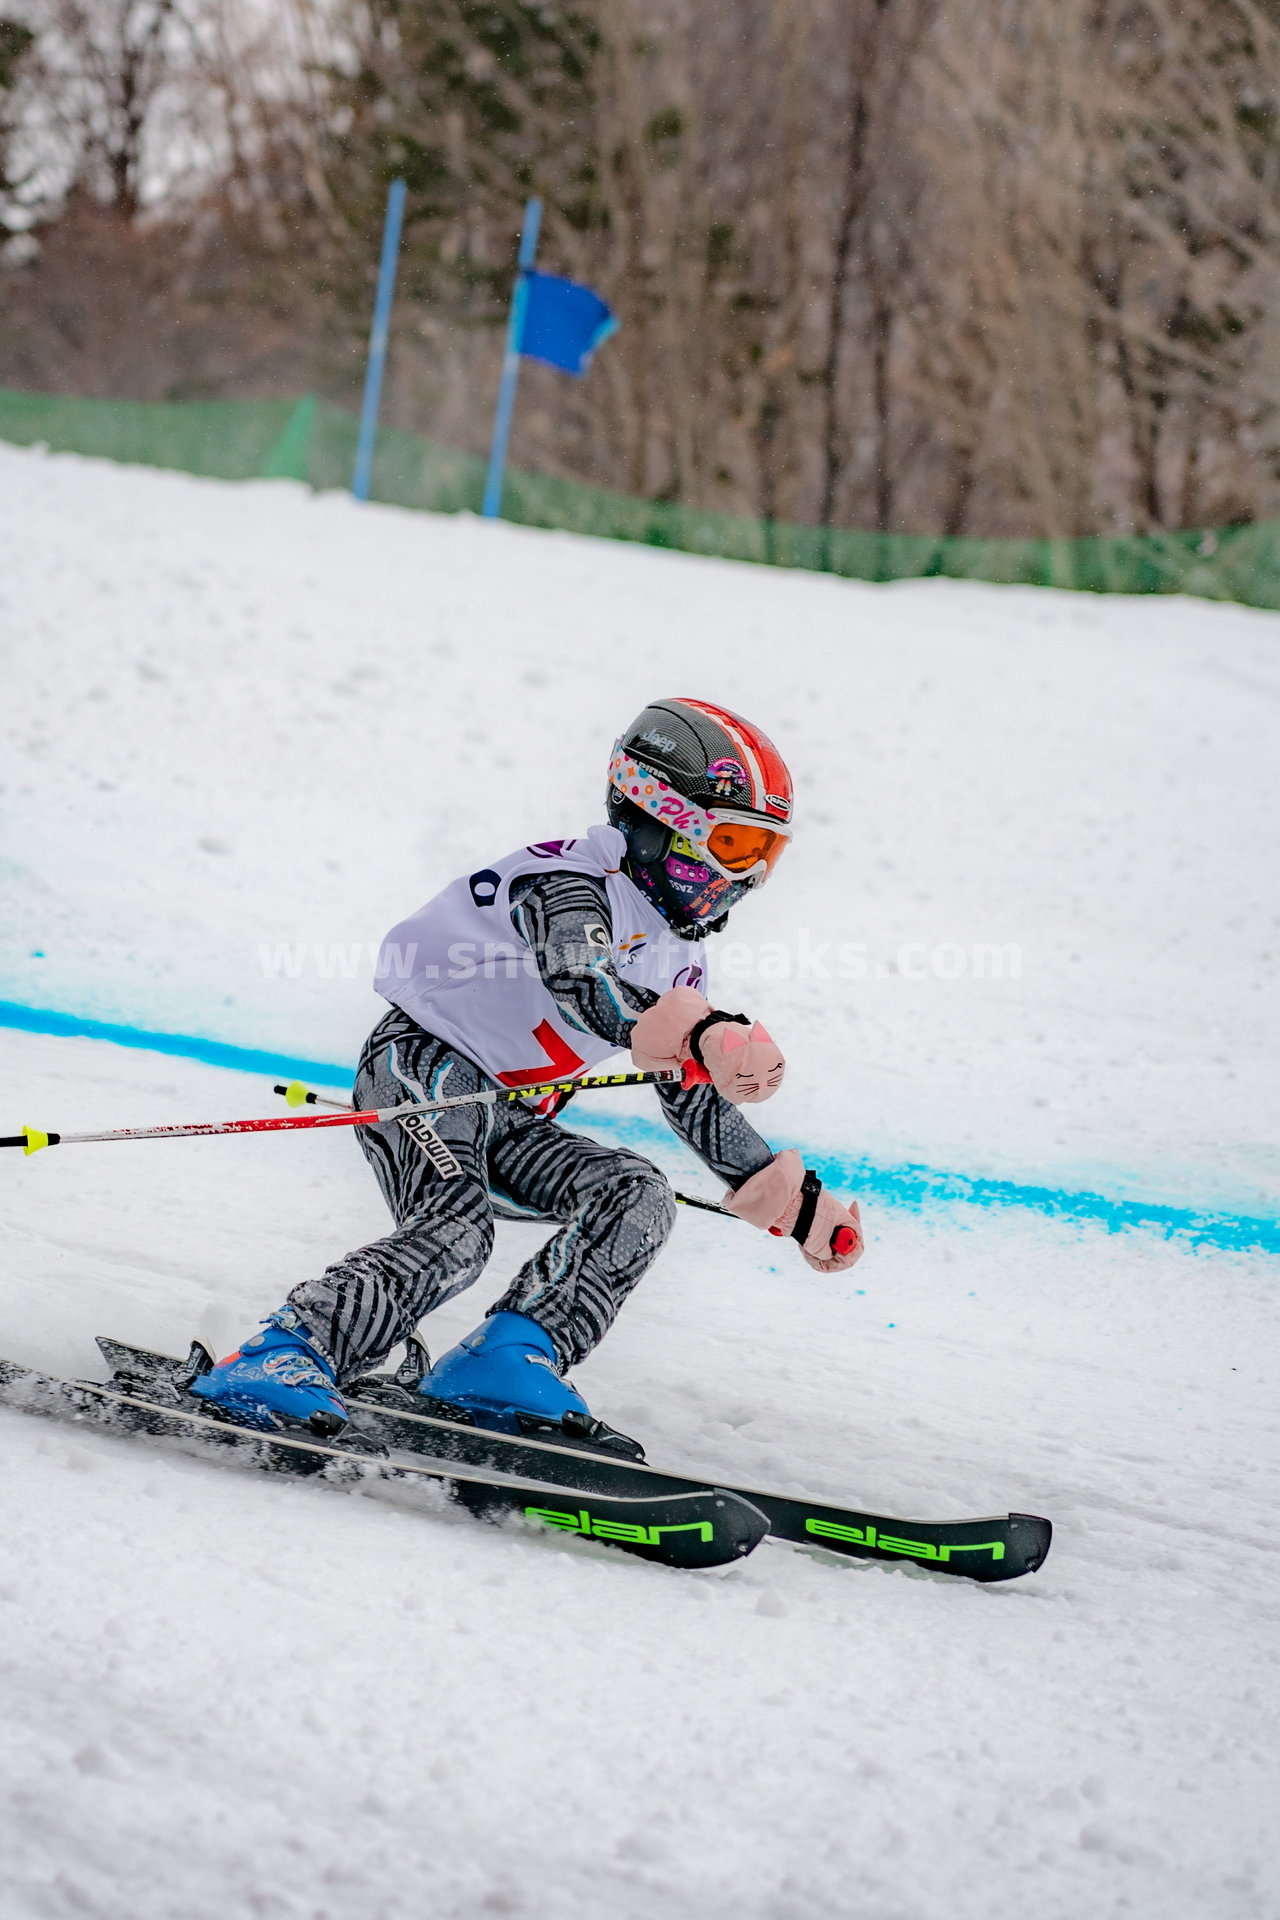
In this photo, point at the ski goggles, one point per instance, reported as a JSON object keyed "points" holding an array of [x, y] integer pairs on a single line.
{"points": [[740, 846]]}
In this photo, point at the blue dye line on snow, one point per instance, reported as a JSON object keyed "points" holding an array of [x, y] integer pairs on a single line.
{"points": [[908, 1186], [186, 1046], [918, 1187]]}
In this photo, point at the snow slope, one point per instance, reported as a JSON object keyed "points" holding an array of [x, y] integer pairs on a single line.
{"points": [[239, 717]]}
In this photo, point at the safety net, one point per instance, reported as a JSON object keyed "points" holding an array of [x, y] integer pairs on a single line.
{"points": [[311, 441]]}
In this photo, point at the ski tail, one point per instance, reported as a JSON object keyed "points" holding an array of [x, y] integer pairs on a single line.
{"points": [[702, 1527]]}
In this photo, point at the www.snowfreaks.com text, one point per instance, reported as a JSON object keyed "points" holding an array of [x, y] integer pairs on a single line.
{"points": [[735, 961]]}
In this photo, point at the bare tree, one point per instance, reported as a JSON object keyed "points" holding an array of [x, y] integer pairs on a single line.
{"points": [[16, 40], [986, 267], [169, 159]]}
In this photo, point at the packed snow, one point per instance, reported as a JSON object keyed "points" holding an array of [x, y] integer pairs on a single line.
{"points": [[245, 730]]}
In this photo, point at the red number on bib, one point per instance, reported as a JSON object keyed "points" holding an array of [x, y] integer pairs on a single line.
{"points": [[562, 1061]]}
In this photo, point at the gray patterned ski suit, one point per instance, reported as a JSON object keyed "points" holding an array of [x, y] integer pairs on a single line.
{"points": [[612, 1208]]}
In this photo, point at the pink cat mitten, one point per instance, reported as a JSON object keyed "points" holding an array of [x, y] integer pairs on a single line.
{"points": [[743, 1063], [787, 1198]]}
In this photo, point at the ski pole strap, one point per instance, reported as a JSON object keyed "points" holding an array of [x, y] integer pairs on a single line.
{"points": [[810, 1188], [709, 1020]]}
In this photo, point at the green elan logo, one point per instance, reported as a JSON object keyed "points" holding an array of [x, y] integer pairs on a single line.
{"points": [[891, 1543], [622, 1530]]}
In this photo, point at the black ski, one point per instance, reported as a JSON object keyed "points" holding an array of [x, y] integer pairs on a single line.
{"points": [[681, 1527], [385, 1413]]}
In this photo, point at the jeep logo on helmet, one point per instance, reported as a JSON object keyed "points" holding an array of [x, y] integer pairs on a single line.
{"points": [[655, 739]]}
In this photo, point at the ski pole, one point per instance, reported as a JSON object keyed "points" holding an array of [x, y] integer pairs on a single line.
{"points": [[299, 1095], [704, 1206], [31, 1139], [842, 1240]]}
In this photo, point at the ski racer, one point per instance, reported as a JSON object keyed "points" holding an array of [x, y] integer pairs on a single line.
{"points": [[537, 967]]}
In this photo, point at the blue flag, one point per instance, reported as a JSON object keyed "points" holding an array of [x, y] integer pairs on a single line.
{"points": [[563, 322]]}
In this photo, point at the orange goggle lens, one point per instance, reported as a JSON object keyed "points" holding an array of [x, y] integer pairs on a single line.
{"points": [[739, 845]]}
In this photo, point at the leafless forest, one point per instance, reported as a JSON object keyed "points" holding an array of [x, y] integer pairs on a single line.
{"points": [[941, 266]]}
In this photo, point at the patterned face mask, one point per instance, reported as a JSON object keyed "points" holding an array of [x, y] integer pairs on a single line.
{"points": [[684, 886]]}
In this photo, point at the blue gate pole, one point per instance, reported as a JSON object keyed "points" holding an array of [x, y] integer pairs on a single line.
{"points": [[511, 359], [378, 340]]}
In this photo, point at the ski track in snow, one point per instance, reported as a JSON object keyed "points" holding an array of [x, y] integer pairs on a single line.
{"points": [[238, 715]]}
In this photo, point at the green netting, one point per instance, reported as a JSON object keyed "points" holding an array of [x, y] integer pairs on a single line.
{"points": [[311, 441], [226, 439]]}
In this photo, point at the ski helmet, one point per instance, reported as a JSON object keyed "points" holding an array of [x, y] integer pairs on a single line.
{"points": [[704, 799]]}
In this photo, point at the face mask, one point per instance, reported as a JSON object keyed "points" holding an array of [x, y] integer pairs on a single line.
{"points": [[685, 889]]}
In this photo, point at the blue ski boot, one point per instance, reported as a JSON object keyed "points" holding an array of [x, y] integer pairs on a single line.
{"points": [[505, 1376], [277, 1379]]}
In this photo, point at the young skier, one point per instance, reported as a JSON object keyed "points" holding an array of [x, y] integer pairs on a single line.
{"points": [[538, 967]]}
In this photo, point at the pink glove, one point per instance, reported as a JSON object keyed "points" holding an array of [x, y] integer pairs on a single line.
{"points": [[785, 1198], [681, 1030], [660, 1037]]}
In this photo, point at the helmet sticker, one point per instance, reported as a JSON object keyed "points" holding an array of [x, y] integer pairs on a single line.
{"points": [[728, 774]]}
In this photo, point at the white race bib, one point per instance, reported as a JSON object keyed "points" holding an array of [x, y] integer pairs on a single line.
{"points": [[459, 968]]}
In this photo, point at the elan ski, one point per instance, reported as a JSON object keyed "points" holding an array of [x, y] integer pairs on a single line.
{"points": [[684, 1527], [387, 1411]]}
